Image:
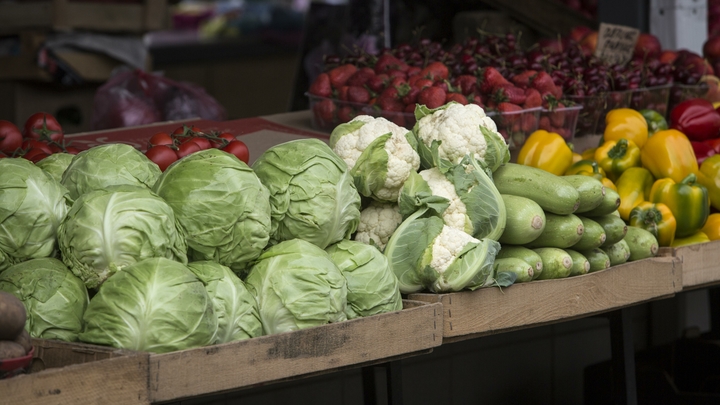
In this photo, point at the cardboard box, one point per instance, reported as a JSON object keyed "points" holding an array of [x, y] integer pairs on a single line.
{"points": [[699, 263], [74, 373], [323, 349], [471, 314], [130, 17], [22, 99]]}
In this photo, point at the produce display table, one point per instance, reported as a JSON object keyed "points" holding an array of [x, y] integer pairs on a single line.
{"points": [[700, 264]]}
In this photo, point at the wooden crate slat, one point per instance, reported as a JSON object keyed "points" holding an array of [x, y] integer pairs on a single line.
{"points": [[701, 263]]}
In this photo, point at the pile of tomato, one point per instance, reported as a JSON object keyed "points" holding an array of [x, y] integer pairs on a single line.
{"points": [[164, 148], [40, 137]]}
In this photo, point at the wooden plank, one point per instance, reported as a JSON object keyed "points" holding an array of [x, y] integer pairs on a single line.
{"points": [[700, 263], [305, 352], [121, 380], [492, 310], [56, 353], [549, 17]]}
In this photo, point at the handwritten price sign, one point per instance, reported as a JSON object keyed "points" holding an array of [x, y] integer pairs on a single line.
{"points": [[616, 43]]}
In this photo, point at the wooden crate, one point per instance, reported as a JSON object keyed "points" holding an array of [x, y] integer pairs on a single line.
{"points": [[73, 373], [700, 263], [493, 310], [274, 358], [127, 17]]}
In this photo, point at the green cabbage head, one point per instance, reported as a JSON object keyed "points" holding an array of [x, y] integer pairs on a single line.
{"points": [[372, 286], [220, 204], [234, 306], [297, 286], [107, 230], [107, 165], [54, 298], [32, 205], [156, 305], [56, 164], [312, 193]]}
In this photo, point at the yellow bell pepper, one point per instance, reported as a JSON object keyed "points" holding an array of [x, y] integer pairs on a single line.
{"points": [[546, 150], [586, 167], [687, 200], [669, 154], [709, 176], [698, 237], [576, 157], [628, 124], [588, 154], [655, 218], [712, 227], [608, 183], [634, 187], [617, 156]]}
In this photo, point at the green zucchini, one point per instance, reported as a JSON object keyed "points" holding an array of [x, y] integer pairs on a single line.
{"points": [[592, 191], [522, 269], [550, 191], [520, 252], [581, 265], [525, 220], [557, 263], [561, 231], [614, 226], [642, 243], [594, 235], [618, 253], [598, 259], [610, 203]]}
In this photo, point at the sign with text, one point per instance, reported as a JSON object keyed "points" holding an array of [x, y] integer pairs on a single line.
{"points": [[616, 43]]}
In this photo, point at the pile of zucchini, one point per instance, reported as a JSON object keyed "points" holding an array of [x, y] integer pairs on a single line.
{"points": [[561, 226]]}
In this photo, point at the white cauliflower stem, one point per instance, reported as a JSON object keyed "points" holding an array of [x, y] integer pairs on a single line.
{"points": [[447, 246], [457, 127], [402, 157], [377, 223], [455, 215]]}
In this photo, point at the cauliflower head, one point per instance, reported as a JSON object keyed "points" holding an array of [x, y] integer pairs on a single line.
{"points": [[377, 223], [447, 247], [378, 153], [462, 130], [455, 215]]}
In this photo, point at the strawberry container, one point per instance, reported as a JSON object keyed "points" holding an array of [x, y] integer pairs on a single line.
{"points": [[682, 92], [516, 126], [651, 98], [563, 121], [589, 116], [327, 113]]}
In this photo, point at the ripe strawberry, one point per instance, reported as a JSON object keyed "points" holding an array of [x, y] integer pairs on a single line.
{"points": [[532, 98], [378, 83], [432, 97], [397, 81], [411, 95], [340, 75], [410, 108], [543, 83], [490, 79], [361, 77], [357, 94], [557, 118], [509, 93], [342, 93], [523, 79], [529, 123], [544, 123], [456, 97], [435, 71], [321, 86], [389, 100], [324, 112], [393, 73], [413, 70], [466, 83], [387, 61], [346, 114], [420, 82], [396, 117], [511, 116]]}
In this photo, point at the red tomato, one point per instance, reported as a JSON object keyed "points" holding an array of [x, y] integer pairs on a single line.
{"points": [[55, 148], [186, 130], [220, 140], [202, 142], [43, 126], [161, 138], [72, 150], [35, 155], [187, 148], [227, 136], [239, 149], [10, 137], [29, 144], [162, 155]]}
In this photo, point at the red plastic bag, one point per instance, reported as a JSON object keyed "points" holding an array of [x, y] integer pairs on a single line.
{"points": [[135, 98]]}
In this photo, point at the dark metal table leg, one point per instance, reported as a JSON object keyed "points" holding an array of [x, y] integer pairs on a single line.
{"points": [[623, 358], [393, 381], [714, 294], [369, 389]]}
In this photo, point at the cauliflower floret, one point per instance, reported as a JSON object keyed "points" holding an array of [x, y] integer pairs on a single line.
{"points": [[402, 157], [447, 246], [457, 127], [377, 223], [455, 215]]}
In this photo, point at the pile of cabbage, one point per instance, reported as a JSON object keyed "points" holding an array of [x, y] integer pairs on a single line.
{"points": [[105, 248]]}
